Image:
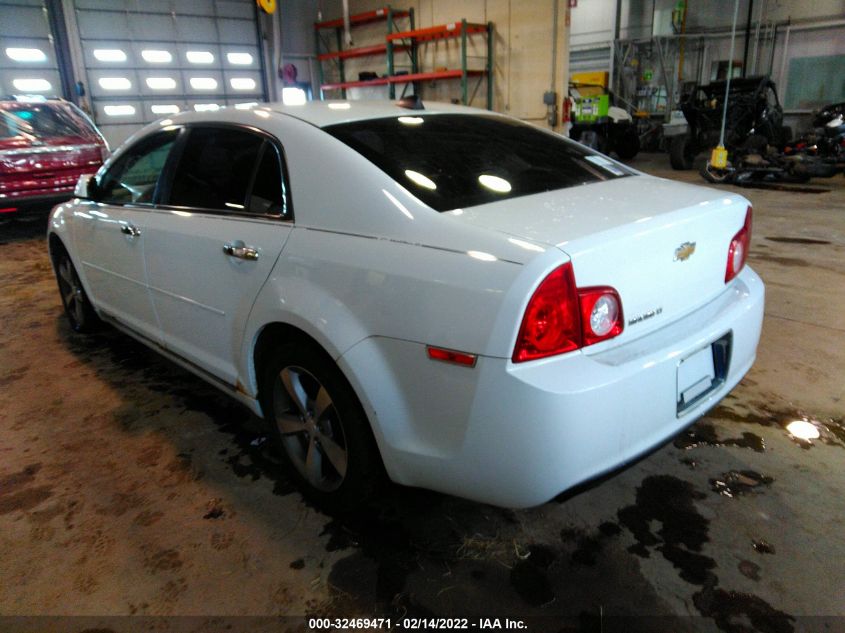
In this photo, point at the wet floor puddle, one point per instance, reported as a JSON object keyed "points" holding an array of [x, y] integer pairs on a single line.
{"points": [[739, 482]]}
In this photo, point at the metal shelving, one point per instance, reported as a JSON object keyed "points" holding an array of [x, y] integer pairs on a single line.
{"points": [[462, 30], [408, 41], [386, 14]]}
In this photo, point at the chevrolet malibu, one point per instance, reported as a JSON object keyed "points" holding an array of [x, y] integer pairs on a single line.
{"points": [[452, 297]]}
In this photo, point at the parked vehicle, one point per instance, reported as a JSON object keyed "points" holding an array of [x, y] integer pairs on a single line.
{"points": [[818, 154], [45, 146], [827, 138], [754, 110], [464, 301], [598, 123]]}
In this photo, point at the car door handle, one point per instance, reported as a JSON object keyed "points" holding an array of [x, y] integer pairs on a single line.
{"points": [[240, 250], [130, 230]]}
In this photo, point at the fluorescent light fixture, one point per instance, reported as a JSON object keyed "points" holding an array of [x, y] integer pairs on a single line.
{"points": [[31, 85], [161, 83], [26, 54], [239, 59], [293, 96], [119, 110], [109, 55], [203, 83], [156, 57], [420, 179], [411, 120], [164, 108], [494, 183], [340, 106], [200, 57], [206, 107], [242, 83], [114, 83], [246, 106]]}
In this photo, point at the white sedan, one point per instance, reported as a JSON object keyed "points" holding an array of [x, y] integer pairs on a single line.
{"points": [[447, 296]]}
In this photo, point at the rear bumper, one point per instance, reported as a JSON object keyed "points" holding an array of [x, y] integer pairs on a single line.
{"points": [[522, 434]]}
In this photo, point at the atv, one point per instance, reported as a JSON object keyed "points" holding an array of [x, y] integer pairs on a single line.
{"points": [[753, 111]]}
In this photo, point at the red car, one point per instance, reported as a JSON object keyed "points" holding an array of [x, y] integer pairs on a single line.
{"points": [[45, 146]]}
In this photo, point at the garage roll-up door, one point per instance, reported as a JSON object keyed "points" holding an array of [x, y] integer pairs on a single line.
{"points": [[147, 59], [28, 63]]}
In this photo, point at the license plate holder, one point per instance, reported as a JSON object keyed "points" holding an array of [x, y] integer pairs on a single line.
{"points": [[702, 372]]}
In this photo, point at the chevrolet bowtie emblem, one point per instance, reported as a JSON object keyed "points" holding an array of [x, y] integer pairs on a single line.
{"points": [[684, 251]]}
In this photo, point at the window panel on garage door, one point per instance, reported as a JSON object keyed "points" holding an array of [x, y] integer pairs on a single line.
{"points": [[27, 58], [149, 60]]}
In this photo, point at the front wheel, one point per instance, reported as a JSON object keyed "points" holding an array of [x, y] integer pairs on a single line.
{"points": [[78, 309], [682, 152], [320, 428]]}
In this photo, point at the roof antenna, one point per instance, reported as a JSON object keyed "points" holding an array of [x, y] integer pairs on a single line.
{"points": [[414, 102]]}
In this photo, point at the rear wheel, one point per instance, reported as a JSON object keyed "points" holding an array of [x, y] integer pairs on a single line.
{"points": [[681, 152], [78, 309], [320, 428]]}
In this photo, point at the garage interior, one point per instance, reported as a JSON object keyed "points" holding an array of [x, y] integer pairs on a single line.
{"points": [[130, 487]]}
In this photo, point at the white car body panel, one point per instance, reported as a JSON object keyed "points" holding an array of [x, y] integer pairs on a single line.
{"points": [[113, 263], [203, 316], [374, 275]]}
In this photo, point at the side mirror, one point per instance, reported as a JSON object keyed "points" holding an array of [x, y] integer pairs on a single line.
{"points": [[86, 187]]}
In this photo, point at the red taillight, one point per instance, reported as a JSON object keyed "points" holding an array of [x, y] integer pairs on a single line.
{"points": [[561, 317], [738, 250], [551, 324]]}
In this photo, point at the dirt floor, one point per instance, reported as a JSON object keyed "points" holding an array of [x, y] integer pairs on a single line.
{"points": [[128, 486]]}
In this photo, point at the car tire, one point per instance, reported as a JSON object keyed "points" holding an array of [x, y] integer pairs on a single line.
{"points": [[78, 309], [627, 144], [681, 152], [319, 428]]}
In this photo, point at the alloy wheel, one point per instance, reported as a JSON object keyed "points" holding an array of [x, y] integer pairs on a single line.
{"points": [[310, 427]]}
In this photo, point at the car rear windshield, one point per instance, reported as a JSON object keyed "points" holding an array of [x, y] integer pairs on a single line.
{"points": [[41, 120], [452, 161]]}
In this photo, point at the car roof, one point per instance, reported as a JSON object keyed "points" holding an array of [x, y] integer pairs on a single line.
{"points": [[329, 112]]}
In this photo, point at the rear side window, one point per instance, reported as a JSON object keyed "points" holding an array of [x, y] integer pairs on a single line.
{"points": [[133, 177], [268, 196], [216, 169], [452, 161]]}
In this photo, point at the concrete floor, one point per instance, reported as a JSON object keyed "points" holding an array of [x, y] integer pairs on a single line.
{"points": [[127, 486]]}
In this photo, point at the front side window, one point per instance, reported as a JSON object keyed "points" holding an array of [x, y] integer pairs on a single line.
{"points": [[452, 161], [133, 177], [216, 169]]}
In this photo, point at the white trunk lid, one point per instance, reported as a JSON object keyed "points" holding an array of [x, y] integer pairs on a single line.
{"points": [[662, 245]]}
